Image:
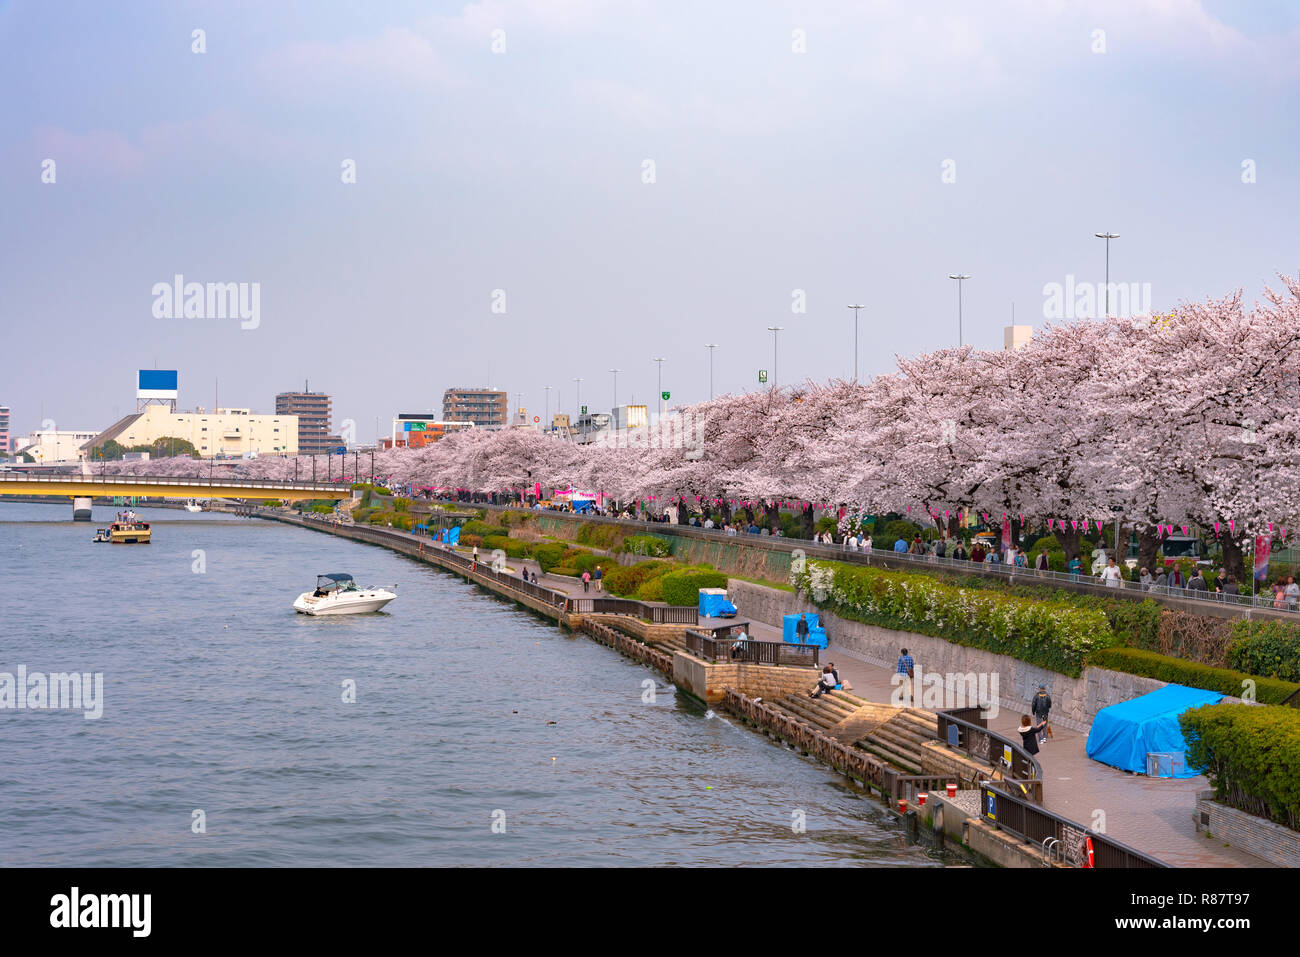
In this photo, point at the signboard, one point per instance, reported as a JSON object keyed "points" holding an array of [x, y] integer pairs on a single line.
{"points": [[1006, 755], [991, 806], [584, 410], [156, 384], [1262, 548], [666, 395], [762, 375], [537, 418]]}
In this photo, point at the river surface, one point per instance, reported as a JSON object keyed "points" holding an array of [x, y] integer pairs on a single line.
{"points": [[480, 734]]}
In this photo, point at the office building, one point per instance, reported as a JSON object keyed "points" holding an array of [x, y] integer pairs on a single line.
{"points": [[219, 433], [314, 410], [486, 408], [415, 430], [5, 445], [1013, 337]]}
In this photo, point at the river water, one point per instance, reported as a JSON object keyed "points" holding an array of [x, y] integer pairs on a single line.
{"points": [[480, 734]]}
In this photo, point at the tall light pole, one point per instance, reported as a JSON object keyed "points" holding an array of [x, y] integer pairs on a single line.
{"points": [[855, 309], [774, 330], [960, 277], [1108, 237], [710, 346], [547, 419], [519, 405], [660, 360], [615, 410], [578, 401]]}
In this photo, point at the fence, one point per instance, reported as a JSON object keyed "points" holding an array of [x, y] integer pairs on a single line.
{"points": [[888, 559], [1059, 837], [1002, 756], [655, 612], [750, 650]]}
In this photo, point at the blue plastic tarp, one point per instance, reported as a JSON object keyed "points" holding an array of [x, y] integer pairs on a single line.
{"points": [[1124, 734], [790, 622], [715, 606], [453, 535]]}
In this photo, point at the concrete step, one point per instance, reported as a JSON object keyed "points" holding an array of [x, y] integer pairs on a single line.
{"points": [[808, 711], [903, 761]]}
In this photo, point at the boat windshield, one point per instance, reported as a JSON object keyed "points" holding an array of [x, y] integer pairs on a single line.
{"points": [[325, 583]]}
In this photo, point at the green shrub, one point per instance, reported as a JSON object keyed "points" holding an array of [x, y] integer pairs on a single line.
{"points": [[404, 522], [625, 580], [378, 517], [1149, 664], [322, 509], [548, 554], [469, 541], [652, 590], [658, 546], [598, 535], [682, 587], [1269, 648], [1053, 634], [513, 547], [1251, 756], [401, 505], [483, 529], [583, 560], [893, 531]]}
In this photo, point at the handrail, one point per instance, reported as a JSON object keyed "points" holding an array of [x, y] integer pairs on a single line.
{"points": [[883, 557], [750, 650], [206, 481], [1037, 825], [977, 742]]}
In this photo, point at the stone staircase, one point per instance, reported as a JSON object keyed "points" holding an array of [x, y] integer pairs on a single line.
{"points": [[895, 735]]}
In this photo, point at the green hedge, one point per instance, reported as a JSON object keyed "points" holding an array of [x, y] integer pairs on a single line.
{"points": [[513, 547], [598, 535], [483, 529], [657, 546], [1149, 664], [653, 590], [1053, 634], [1251, 756], [1269, 648], [548, 554], [625, 580], [682, 587]]}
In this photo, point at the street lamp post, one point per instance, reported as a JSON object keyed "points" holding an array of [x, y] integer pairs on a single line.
{"points": [[856, 309], [774, 330], [660, 360], [1108, 237], [547, 417], [578, 398], [615, 409], [710, 346], [960, 277]]}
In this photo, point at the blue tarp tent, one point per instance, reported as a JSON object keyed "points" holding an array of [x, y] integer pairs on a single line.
{"points": [[1124, 734], [453, 535], [714, 604]]}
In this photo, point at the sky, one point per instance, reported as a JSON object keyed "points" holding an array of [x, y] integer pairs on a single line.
{"points": [[550, 189]]}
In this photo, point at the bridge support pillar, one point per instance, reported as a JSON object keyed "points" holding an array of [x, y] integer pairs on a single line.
{"points": [[81, 508]]}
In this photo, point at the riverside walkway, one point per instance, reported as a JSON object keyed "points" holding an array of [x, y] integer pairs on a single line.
{"points": [[1153, 815]]}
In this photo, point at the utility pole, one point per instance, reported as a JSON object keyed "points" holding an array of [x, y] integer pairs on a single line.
{"points": [[774, 330], [710, 346], [960, 277], [660, 360], [1108, 237]]}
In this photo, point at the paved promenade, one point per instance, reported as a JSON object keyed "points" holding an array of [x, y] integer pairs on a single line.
{"points": [[1151, 814]]}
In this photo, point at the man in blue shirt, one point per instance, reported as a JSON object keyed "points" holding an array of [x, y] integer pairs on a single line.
{"points": [[905, 668], [901, 545]]}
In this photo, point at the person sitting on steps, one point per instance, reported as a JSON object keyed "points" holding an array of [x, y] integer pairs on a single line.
{"points": [[825, 684]]}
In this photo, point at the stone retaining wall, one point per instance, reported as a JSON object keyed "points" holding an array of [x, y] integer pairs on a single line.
{"points": [[709, 681], [1075, 701], [1265, 839]]}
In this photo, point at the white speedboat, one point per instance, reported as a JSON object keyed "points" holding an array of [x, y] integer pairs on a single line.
{"points": [[338, 594], [193, 506]]}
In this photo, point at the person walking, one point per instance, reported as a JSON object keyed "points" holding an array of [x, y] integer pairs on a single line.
{"points": [[1146, 580], [906, 668], [1076, 568], [1040, 708], [586, 580], [598, 576], [1292, 593], [1161, 583], [1029, 731], [1041, 562], [1110, 575], [1197, 582], [801, 630]]}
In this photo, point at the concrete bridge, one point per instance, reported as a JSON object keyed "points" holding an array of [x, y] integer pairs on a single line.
{"points": [[82, 488]]}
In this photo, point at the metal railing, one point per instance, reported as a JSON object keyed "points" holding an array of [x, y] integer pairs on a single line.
{"points": [[655, 612], [204, 480], [886, 557], [1055, 833], [750, 650], [1001, 755]]}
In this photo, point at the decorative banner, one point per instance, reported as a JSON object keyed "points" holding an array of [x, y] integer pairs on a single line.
{"points": [[1262, 548], [1216, 529], [1006, 533], [1184, 531], [1270, 528], [945, 514], [1074, 526], [1231, 525], [1085, 526]]}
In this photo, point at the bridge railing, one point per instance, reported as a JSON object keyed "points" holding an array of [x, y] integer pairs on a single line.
{"points": [[203, 480]]}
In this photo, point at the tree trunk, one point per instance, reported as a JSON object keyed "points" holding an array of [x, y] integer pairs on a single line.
{"points": [[1148, 548], [1234, 556], [772, 516], [683, 513], [1069, 540], [749, 515], [808, 522]]}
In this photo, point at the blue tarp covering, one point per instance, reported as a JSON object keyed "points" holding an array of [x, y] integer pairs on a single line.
{"points": [[453, 536], [816, 633], [1123, 734], [715, 606]]}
